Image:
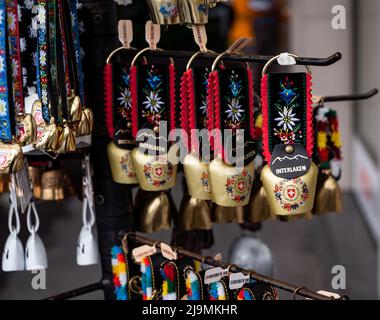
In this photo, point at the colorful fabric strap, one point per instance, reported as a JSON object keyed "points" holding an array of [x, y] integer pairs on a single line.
{"points": [[5, 124]]}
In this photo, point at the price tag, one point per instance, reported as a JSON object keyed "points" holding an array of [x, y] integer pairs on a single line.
{"points": [[152, 34], [215, 274], [167, 252], [125, 31], [200, 36], [144, 251], [286, 60], [237, 280]]}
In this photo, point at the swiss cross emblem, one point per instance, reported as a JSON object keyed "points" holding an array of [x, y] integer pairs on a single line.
{"points": [[158, 171], [291, 192], [241, 185]]}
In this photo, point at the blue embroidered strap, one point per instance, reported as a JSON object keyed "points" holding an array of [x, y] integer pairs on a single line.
{"points": [[5, 125], [75, 29], [42, 59]]}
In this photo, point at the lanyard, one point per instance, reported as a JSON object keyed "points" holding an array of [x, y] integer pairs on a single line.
{"points": [[5, 125]]}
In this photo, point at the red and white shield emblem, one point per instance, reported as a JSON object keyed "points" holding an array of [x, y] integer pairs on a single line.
{"points": [[158, 171], [241, 185], [291, 192]]}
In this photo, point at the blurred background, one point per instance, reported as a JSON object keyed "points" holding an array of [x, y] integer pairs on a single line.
{"points": [[303, 252]]}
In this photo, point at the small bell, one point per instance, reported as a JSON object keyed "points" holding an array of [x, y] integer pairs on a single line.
{"points": [[48, 139], [329, 196], [120, 161], [66, 139], [13, 254], [197, 177], [290, 196], [164, 12], [4, 183], [228, 214], [35, 176], [258, 208], [75, 107], [27, 131], [87, 247], [69, 187], [84, 126], [53, 185], [230, 186], [90, 117], [194, 214], [153, 211], [154, 173], [193, 11], [11, 158]]}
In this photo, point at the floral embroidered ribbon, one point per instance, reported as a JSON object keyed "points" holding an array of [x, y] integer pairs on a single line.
{"points": [[287, 111], [5, 124], [230, 103]]}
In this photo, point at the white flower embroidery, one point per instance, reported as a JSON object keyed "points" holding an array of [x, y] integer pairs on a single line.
{"points": [[11, 20], [234, 111], [28, 4], [43, 58], [203, 107], [22, 44], [2, 65], [44, 96], [125, 98], [3, 108], [14, 68], [41, 17], [19, 13], [287, 119], [153, 102], [33, 29]]}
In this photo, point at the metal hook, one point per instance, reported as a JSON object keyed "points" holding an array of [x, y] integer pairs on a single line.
{"points": [[265, 69]]}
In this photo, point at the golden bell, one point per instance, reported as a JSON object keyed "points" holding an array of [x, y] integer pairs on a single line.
{"points": [[86, 123], [90, 117], [11, 158], [164, 12], [75, 107], [223, 214], [197, 177], [68, 185], [38, 119], [230, 186], [153, 211], [66, 139], [193, 11], [27, 129], [290, 196], [329, 196], [35, 176], [258, 207], [4, 183], [194, 214], [120, 161], [48, 139], [52, 185], [153, 173]]}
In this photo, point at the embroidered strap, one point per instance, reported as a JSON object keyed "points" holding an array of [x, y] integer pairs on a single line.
{"points": [[15, 55], [43, 59], [287, 111], [5, 125]]}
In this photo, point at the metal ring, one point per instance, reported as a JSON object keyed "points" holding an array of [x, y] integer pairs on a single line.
{"points": [[296, 291], [145, 50], [117, 50], [225, 53], [275, 58], [195, 55]]}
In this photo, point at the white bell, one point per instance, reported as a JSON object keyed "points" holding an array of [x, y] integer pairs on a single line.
{"points": [[87, 247], [35, 253], [13, 254]]}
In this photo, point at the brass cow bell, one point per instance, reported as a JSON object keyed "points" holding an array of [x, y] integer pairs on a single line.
{"points": [[35, 176], [230, 186], [197, 177], [120, 161], [164, 12], [153, 173], [53, 185]]}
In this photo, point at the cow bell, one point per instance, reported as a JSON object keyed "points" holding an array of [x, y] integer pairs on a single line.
{"points": [[197, 177], [164, 12]]}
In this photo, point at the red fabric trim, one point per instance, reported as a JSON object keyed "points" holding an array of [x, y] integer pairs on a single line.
{"points": [[192, 109], [172, 92], [210, 106], [264, 111], [134, 101], [217, 117], [184, 105], [108, 99], [250, 104], [309, 118]]}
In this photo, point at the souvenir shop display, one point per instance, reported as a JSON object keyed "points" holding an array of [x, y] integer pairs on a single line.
{"points": [[182, 135]]}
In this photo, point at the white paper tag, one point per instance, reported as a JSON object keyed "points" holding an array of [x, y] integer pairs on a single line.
{"points": [[167, 252], [239, 45], [200, 36], [125, 31], [215, 274], [144, 251], [286, 60], [237, 280], [152, 34]]}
